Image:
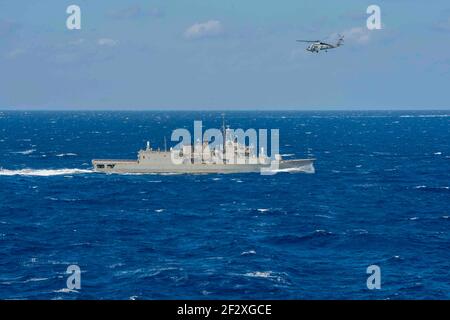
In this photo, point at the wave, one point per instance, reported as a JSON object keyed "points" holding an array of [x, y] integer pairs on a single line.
{"points": [[270, 275], [66, 154], [304, 169], [65, 290], [35, 280], [25, 152], [295, 239], [42, 172], [260, 274], [427, 188], [425, 116]]}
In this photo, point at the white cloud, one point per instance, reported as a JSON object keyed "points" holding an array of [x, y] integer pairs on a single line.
{"points": [[77, 42], [210, 28], [107, 42], [357, 35]]}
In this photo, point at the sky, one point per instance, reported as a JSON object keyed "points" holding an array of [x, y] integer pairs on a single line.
{"points": [[224, 55]]}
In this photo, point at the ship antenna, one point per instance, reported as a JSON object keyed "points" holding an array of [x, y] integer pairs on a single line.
{"points": [[165, 144]]}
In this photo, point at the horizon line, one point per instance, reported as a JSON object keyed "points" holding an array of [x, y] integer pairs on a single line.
{"points": [[222, 110]]}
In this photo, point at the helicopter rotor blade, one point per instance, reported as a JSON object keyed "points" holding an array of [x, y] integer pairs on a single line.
{"points": [[310, 41]]}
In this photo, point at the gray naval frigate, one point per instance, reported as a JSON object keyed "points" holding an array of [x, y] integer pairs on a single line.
{"points": [[201, 158]]}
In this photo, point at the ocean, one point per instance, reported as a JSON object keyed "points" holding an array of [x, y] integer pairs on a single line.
{"points": [[380, 196]]}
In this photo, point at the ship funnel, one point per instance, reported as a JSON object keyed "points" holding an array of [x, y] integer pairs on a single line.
{"points": [[148, 145]]}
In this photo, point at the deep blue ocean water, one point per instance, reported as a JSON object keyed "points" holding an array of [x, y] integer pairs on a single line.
{"points": [[380, 195]]}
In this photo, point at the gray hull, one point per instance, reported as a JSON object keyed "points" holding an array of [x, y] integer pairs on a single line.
{"points": [[133, 167]]}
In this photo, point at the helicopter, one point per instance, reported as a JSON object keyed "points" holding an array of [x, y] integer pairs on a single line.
{"points": [[318, 45]]}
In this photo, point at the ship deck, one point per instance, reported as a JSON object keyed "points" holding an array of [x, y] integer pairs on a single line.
{"points": [[114, 162]]}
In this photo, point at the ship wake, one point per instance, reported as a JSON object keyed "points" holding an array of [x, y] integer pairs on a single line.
{"points": [[43, 172], [303, 169]]}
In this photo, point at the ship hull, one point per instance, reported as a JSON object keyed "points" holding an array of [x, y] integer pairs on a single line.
{"points": [[135, 167]]}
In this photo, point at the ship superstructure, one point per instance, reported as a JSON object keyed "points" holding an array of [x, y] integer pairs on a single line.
{"points": [[228, 156]]}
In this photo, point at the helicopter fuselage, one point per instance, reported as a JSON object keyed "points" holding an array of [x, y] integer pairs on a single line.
{"points": [[317, 47]]}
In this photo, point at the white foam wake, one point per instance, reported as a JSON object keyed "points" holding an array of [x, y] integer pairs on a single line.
{"points": [[304, 169], [42, 172]]}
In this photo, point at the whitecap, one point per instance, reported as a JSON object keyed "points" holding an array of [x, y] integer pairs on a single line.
{"points": [[426, 187], [246, 253], [25, 152], [259, 274], [35, 280], [361, 231], [65, 290], [278, 277], [69, 154], [263, 210], [425, 116], [324, 216], [159, 210]]}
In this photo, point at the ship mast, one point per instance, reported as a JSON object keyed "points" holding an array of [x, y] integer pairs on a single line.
{"points": [[224, 134]]}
